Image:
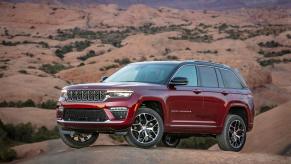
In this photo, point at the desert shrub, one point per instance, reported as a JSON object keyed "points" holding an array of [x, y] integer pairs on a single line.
{"points": [[52, 68], [90, 54], [62, 51], [7, 154], [44, 44], [81, 45], [222, 27], [269, 44], [27, 133], [81, 64], [19, 104], [266, 108], [28, 103], [9, 43], [288, 36], [197, 142], [208, 52], [194, 35], [273, 61], [23, 71], [49, 104], [122, 61], [107, 67], [172, 57], [1, 75], [274, 53], [43, 133]]}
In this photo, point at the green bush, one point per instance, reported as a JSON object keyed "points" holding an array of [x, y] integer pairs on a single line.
{"points": [[274, 53], [49, 104], [90, 54], [122, 61], [273, 61], [81, 45], [26, 133], [62, 51], [197, 142], [52, 68], [266, 108], [19, 104], [269, 44], [7, 154], [23, 71], [105, 68]]}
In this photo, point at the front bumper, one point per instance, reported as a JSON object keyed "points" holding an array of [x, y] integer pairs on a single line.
{"points": [[110, 125]]}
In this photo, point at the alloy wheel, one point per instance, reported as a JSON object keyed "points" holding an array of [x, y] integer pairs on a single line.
{"points": [[145, 128], [236, 133]]}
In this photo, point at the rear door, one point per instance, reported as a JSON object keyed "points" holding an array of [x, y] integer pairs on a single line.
{"points": [[214, 100]]}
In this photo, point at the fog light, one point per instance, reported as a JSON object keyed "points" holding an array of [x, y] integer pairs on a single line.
{"points": [[60, 112], [119, 112]]}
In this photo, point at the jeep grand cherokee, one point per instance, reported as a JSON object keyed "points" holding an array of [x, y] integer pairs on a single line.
{"points": [[149, 102]]}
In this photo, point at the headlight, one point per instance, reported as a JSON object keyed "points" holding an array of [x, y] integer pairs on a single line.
{"points": [[118, 93], [63, 94]]}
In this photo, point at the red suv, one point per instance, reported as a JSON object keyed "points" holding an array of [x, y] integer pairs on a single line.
{"points": [[149, 102]]}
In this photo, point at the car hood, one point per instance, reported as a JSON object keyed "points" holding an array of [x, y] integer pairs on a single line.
{"points": [[115, 85]]}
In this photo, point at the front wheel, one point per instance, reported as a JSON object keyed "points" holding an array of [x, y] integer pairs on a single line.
{"points": [[233, 136], [76, 139], [147, 129]]}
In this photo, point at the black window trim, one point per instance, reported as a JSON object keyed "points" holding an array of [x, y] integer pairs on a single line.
{"points": [[199, 76]]}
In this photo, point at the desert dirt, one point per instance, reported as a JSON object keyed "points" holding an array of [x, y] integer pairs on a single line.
{"points": [[22, 75]]}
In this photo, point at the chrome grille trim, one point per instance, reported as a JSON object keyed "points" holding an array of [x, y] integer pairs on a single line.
{"points": [[86, 95]]}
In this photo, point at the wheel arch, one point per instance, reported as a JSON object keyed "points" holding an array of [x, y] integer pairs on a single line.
{"points": [[240, 110], [154, 103]]}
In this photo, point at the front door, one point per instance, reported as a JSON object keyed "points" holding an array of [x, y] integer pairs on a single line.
{"points": [[184, 101]]}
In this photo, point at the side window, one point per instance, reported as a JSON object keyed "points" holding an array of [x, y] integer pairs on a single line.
{"points": [[230, 80], [207, 76], [188, 71]]}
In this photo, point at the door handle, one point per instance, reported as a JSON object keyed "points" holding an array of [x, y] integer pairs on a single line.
{"points": [[224, 93], [197, 91]]}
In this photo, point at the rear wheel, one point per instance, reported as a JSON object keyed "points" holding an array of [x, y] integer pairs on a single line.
{"points": [[233, 136], [76, 139], [170, 140], [147, 129]]}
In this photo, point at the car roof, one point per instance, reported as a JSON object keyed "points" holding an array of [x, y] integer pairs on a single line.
{"points": [[200, 62]]}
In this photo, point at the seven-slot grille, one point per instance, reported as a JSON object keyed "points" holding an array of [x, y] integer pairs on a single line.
{"points": [[88, 115], [85, 95]]}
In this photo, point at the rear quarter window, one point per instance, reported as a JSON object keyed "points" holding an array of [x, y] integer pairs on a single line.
{"points": [[230, 80]]}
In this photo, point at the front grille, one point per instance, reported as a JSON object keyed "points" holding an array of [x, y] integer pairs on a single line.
{"points": [[94, 115], [85, 95]]}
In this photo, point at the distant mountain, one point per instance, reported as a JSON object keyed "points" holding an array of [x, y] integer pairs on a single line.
{"points": [[181, 4]]}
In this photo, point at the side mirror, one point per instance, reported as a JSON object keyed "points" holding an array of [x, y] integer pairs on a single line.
{"points": [[179, 81], [103, 78]]}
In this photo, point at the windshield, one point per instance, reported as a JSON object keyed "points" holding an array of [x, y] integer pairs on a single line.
{"points": [[145, 73]]}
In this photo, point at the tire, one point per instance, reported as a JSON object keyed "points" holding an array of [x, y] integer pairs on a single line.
{"points": [[170, 140], [147, 129], [233, 136], [71, 138]]}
